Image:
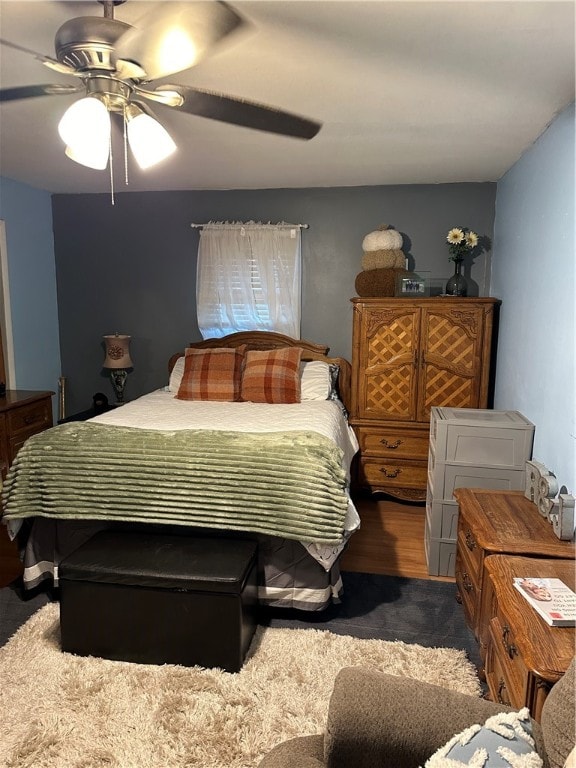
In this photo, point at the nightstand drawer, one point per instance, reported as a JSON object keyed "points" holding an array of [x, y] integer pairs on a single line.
{"points": [[393, 444], [30, 418]]}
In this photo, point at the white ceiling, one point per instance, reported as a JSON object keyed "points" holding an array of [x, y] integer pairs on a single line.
{"points": [[408, 92]]}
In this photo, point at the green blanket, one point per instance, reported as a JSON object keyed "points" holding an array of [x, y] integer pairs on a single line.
{"points": [[288, 484]]}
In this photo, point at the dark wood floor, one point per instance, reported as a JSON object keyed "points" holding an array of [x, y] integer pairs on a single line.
{"points": [[390, 542]]}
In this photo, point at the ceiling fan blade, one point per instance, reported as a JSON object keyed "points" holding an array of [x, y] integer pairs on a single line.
{"points": [[241, 112], [176, 37], [46, 60], [31, 91]]}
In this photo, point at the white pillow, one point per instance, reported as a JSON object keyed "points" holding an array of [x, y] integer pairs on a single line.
{"points": [[316, 381], [176, 375]]}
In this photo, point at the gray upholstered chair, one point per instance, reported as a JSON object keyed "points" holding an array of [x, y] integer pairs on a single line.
{"points": [[380, 720]]}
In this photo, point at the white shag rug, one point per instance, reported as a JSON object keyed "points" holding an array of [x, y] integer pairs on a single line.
{"points": [[65, 711]]}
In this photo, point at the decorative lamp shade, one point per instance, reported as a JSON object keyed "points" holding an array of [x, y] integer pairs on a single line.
{"points": [[117, 352]]}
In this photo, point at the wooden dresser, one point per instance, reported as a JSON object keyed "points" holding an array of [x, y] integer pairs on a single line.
{"points": [[524, 655], [494, 523], [407, 356], [23, 413]]}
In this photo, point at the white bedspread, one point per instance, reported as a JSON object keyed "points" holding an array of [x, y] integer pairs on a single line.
{"points": [[161, 410]]}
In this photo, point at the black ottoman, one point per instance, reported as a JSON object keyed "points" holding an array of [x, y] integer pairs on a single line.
{"points": [[160, 599]]}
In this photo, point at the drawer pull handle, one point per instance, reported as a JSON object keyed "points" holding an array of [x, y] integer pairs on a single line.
{"points": [[391, 446], [510, 648], [470, 541], [466, 583], [501, 689], [394, 473], [32, 419]]}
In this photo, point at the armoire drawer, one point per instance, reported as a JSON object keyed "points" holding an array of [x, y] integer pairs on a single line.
{"points": [[393, 444], [401, 474]]}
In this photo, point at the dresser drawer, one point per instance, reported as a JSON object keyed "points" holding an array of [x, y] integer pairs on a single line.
{"points": [[389, 443], [506, 673], [468, 590], [380, 473], [30, 418], [4, 453], [471, 551]]}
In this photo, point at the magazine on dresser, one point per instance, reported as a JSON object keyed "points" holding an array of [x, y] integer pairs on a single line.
{"points": [[553, 600]]}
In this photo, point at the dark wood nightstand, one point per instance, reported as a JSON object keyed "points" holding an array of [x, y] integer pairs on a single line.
{"points": [[23, 413]]}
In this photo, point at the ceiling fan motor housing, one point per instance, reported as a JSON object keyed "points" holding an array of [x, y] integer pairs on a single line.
{"points": [[88, 42]]}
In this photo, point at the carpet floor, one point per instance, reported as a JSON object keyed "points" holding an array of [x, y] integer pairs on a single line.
{"points": [[64, 710], [374, 607]]}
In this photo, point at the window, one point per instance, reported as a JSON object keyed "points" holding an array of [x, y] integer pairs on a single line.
{"points": [[248, 278]]}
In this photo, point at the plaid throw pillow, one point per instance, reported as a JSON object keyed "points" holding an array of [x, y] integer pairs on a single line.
{"points": [[211, 374], [272, 376]]}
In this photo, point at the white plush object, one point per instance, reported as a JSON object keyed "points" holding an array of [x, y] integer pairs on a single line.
{"points": [[504, 740], [315, 383], [176, 375], [382, 240]]}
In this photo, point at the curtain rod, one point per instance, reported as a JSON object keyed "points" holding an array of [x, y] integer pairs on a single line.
{"points": [[249, 224]]}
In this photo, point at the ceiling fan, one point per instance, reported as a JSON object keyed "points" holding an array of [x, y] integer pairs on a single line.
{"points": [[117, 64]]}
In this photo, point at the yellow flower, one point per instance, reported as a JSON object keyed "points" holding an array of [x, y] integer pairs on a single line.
{"points": [[471, 239], [455, 235]]}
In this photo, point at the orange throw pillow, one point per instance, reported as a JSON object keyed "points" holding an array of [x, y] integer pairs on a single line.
{"points": [[272, 376], [212, 374]]}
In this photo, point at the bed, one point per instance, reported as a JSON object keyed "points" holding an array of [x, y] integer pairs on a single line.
{"points": [[249, 438]]}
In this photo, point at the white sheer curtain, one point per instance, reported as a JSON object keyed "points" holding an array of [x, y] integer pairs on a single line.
{"points": [[248, 278]]}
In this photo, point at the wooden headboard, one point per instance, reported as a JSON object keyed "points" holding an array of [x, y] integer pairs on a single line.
{"points": [[272, 340]]}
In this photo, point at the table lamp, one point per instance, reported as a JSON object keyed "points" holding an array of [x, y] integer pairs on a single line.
{"points": [[118, 361]]}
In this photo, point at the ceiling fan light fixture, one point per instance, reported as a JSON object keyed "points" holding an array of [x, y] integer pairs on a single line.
{"points": [[85, 129], [149, 141], [91, 157], [177, 51]]}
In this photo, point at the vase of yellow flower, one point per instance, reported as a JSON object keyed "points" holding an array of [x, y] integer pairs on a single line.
{"points": [[461, 242], [457, 285]]}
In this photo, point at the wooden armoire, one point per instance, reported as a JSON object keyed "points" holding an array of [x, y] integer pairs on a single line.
{"points": [[407, 356]]}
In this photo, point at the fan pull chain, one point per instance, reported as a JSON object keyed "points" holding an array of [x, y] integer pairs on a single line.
{"points": [[125, 146], [111, 171]]}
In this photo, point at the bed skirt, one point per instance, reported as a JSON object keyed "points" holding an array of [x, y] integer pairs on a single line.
{"points": [[288, 576]]}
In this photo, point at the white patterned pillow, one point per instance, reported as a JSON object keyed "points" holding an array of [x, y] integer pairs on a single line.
{"points": [[316, 381], [176, 375], [504, 741]]}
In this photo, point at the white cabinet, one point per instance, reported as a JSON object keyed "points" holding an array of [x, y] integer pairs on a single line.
{"points": [[469, 448]]}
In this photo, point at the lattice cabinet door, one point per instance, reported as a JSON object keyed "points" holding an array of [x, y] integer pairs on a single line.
{"points": [[407, 356], [451, 359], [387, 342]]}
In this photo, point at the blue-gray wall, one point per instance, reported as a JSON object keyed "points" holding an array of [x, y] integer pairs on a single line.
{"points": [[27, 214], [131, 267], [533, 272]]}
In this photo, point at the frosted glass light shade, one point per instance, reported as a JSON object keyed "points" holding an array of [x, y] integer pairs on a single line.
{"points": [[149, 141], [85, 129]]}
